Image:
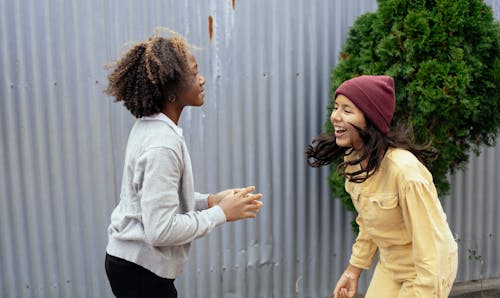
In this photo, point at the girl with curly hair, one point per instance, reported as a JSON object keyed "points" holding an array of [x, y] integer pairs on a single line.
{"points": [[399, 213], [159, 213]]}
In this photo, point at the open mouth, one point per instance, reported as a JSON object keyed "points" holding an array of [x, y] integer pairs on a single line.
{"points": [[339, 131]]}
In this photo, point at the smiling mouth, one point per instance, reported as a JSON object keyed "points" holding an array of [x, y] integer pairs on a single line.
{"points": [[339, 132]]}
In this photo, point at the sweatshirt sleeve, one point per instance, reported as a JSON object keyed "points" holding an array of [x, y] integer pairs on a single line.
{"points": [[426, 223], [363, 249], [163, 226], [201, 201]]}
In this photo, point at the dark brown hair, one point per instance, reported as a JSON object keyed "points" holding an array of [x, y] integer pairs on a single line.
{"points": [[324, 151], [148, 74]]}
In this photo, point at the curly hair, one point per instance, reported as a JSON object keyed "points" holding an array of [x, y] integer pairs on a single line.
{"points": [[148, 74], [324, 151]]}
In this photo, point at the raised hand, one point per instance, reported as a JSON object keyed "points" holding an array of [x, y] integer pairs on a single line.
{"points": [[239, 203]]}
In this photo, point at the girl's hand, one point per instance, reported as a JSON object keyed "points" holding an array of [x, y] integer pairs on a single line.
{"points": [[347, 286], [240, 203], [215, 199]]}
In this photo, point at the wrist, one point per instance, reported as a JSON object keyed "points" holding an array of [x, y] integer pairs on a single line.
{"points": [[352, 272], [210, 201], [350, 275]]}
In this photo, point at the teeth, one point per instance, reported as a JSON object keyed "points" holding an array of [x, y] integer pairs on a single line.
{"points": [[340, 129]]}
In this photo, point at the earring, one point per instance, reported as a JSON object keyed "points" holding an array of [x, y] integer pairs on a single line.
{"points": [[171, 98]]}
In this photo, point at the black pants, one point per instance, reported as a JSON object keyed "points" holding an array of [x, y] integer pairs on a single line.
{"points": [[129, 280]]}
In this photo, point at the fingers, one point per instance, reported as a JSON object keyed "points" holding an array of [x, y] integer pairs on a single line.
{"points": [[250, 215], [245, 191], [253, 199], [241, 203], [340, 293], [343, 293], [237, 190], [336, 293], [249, 197], [257, 203], [252, 208]]}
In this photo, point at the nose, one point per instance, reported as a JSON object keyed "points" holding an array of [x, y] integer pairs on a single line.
{"points": [[202, 80], [334, 116]]}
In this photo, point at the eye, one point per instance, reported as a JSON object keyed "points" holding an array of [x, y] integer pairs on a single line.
{"points": [[192, 75]]}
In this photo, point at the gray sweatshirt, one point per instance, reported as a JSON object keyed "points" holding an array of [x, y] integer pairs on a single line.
{"points": [[159, 213]]}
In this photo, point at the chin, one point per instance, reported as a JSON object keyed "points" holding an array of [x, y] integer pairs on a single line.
{"points": [[201, 100], [343, 144]]}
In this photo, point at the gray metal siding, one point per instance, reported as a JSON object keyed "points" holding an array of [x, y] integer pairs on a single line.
{"points": [[472, 210], [267, 68]]}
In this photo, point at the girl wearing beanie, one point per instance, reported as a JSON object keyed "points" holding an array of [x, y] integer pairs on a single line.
{"points": [[399, 213]]}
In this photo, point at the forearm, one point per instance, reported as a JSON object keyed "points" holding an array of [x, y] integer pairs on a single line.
{"points": [[179, 229], [363, 249]]}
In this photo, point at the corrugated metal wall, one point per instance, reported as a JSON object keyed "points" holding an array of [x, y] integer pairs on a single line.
{"points": [[267, 69], [472, 210]]}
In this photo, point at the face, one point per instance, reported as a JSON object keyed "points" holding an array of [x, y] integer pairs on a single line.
{"points": [[191, 92], [345, 114]]}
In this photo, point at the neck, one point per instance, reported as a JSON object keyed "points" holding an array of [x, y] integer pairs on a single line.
{"points": [[173, 112], [358, 153]]}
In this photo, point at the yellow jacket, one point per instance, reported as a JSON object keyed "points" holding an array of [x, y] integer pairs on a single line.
{"points": [[399, 214]]}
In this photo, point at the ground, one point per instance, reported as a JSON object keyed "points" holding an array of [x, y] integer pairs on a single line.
{"points": [[494, 293], [473, 289]]}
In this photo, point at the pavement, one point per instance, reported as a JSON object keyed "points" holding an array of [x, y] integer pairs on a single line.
{"points": [[488, 288]]}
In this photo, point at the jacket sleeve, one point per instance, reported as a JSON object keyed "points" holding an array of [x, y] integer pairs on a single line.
{"points": [[163, 225], [363, 249], [426, 223]]}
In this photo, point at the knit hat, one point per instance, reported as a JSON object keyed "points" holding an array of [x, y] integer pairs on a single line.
{"points": [[374, 96]]}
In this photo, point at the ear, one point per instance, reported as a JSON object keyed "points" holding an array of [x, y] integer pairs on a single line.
{"points": [[172, 98]]}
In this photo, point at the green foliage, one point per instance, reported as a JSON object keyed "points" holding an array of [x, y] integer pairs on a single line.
{"points": [[444, 57]]}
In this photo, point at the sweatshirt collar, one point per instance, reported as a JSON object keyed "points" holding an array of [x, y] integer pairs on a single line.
{"points": [[164, 118]]}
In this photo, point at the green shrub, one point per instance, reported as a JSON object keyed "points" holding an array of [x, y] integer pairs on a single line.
{"points": [[444, 57]]}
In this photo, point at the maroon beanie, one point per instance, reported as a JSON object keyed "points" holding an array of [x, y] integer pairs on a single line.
{"points": [[374, 96]]}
